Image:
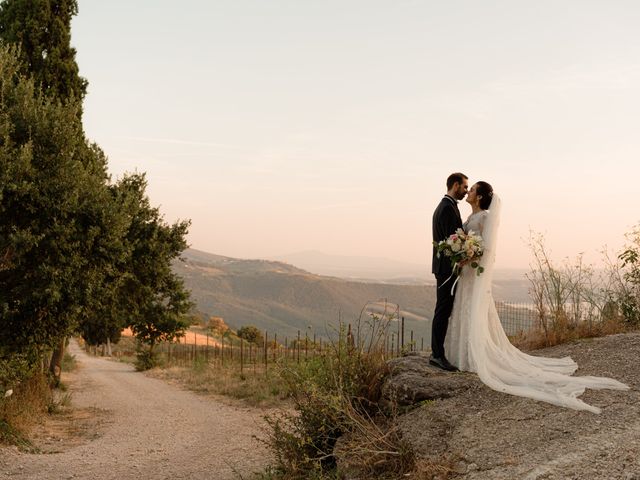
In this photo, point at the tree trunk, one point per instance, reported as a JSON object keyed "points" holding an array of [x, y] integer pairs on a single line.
{"points": [[109, 347], [55, 366]]}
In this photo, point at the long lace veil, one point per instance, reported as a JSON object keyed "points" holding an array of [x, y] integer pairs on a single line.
{"points": [[502, 366]]}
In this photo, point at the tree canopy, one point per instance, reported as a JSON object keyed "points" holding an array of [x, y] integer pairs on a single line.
{"points": [[48, 184], [78, 252], [42, 28]]}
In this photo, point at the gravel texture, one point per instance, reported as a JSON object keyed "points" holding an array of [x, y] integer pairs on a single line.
{"points": [[484, 434], [144, 428]]}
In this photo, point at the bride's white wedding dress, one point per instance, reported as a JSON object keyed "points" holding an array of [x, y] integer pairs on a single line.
{"points": [[476, 341]]}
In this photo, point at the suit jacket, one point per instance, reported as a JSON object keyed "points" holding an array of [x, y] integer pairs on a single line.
{"points": [[446, 219]]}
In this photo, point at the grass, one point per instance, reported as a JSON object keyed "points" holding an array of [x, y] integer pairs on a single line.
{"points": [[9, 435], [59, 401], [257, 389], [69, 362], [563, 332], [28, 406]]}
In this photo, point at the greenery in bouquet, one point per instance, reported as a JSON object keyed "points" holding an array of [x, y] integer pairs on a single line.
{"points": [[462, 249]]}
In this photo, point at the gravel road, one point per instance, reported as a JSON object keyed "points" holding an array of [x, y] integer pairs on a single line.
{"points": [[144, 428]]}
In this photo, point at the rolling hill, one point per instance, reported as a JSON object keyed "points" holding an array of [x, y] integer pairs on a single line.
{"points": [[283, 299]]}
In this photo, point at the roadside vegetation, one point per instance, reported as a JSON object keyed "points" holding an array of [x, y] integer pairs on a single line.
{"points": [[80, 254]]}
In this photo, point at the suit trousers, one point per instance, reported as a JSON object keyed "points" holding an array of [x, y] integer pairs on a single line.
{"points": [[444, 305]]}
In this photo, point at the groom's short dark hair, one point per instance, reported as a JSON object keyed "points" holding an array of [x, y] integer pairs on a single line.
{"points": [[455, 178]]}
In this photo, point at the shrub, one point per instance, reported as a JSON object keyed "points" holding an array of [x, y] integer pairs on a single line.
{"points": [[146, 359], [251, 334], [69, 362], [572, 299], [628, 281], [217, 325], [338, 422], [14, 369]]}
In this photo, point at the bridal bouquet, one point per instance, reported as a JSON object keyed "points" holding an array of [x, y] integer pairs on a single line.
{"points": [[462, 248]]}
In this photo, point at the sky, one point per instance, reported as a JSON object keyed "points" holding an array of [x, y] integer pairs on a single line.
{"points": [[281, 126]]}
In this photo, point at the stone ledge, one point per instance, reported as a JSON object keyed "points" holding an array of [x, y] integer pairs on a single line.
{"points": [[412, 380]]}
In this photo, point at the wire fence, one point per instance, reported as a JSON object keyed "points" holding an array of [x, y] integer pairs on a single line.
{"points": [[517, 318], [247, 356]]}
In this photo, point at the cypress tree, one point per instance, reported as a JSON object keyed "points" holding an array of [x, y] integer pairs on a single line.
{"points": [[42, 28], [70, 241]]}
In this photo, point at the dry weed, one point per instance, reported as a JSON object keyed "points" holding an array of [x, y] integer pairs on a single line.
{"points": [[374, 447], [26, 407], [537, 338], [257, 388]]}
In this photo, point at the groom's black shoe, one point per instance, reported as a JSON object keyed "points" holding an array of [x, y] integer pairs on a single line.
{"points": [[442, 363]]}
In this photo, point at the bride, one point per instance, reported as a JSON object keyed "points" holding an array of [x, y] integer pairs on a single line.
{"points": [[476, 341]]}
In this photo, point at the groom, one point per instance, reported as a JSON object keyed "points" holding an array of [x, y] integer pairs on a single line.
{"points": [[446, 219]]}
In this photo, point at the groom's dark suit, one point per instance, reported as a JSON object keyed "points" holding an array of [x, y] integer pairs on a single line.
{"points": [[446, 219]]}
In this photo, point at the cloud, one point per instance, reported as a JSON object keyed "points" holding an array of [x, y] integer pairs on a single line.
{"points": [[177, 141], [573, 78], [341, 205]]}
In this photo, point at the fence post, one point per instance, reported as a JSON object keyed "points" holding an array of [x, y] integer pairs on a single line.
{"points": [[275, 346], [412, 347], [251, 357], [298, 346], [402, 335], [241, 355], [266, 347]]}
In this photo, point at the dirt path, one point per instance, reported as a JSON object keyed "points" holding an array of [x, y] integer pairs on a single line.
{"points": [[147, 429]]}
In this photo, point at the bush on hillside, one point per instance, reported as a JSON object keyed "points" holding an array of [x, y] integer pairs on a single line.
{"points": [[251, 334], [338, 420]]}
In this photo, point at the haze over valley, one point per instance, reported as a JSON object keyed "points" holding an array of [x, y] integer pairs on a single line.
{"points": [[281, 297]]}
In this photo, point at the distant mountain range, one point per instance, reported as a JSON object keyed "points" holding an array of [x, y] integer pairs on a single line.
{"points": [[359, 268], [510, 285]]}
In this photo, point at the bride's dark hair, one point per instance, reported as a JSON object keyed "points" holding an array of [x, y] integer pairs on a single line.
{"points": [[486, 192]]}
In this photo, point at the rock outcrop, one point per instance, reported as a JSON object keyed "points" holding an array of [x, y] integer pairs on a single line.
{"points": [[412, 380]]}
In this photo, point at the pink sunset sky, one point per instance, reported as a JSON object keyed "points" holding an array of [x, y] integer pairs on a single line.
{"points": [[280, 126]]}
